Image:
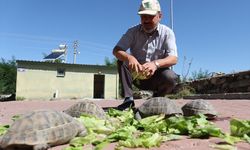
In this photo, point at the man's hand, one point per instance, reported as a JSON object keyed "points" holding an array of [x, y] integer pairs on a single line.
{"points": [[134, 65], [149, 68]]}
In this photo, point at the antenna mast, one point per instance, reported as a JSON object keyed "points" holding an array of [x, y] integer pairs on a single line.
{"points": [[75, 51], [172, 20], [172, 14]]}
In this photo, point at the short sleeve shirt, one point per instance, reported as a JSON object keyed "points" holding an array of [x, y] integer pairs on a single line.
{"points": [[147, 48]]}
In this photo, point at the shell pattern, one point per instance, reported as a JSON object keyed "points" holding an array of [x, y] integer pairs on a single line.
{"points": [[199, 106], [159, 105], [40, 130], [86, 107]]}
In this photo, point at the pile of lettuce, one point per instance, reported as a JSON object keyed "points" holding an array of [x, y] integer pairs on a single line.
{"points": [[121, 127]]}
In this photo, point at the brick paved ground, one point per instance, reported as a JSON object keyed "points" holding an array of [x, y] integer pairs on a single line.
{"points": [[226, 108]]}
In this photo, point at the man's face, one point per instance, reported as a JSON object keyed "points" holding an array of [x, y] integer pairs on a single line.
{"points": [[150, 22]]}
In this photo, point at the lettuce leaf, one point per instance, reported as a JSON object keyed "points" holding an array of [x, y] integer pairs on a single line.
{"points": [[151, 131], [3, 129], [240, 128], [96, 125], [146, 139], [125, 117], [223, 147], [153, 124]]}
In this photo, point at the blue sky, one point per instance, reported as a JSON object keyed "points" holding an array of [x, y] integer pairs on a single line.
{"points": [[213, 34]]}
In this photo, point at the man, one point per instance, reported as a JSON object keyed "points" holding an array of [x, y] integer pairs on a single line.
{"points": [[152, 51]]}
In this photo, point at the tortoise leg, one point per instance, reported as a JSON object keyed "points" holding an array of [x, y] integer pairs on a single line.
{"points": [[82, 133], [138, 116], [41, 147]]}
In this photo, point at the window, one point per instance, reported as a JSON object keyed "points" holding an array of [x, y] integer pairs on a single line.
{"points": [[60, 72]]}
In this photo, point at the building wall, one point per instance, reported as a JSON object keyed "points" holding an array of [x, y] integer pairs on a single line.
{"points": [[111, 85], [41, 81]]}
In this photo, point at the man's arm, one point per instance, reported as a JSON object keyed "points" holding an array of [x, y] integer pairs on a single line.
{"points": [[151, 67], [168, 61], [124, 56]]}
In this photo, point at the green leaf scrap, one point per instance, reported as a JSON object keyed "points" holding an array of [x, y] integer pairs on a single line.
{"points": [[3, 129]]}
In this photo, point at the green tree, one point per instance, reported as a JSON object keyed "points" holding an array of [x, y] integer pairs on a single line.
{"points": [[200, 74], [8, 76], [113, 63], [185, 69], [110, 63]]}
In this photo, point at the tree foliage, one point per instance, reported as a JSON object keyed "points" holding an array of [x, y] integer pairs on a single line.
{"points": [[200, 74], [110, 63], [8, 76], [185, 69]]}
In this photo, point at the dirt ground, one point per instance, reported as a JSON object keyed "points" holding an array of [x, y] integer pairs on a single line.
{"points": [[226, 109]]}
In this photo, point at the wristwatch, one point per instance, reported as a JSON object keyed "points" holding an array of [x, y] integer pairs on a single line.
{"points": [[157, 64]]}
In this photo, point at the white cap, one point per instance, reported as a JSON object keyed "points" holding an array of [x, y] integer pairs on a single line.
{"points": [[149, 7]]}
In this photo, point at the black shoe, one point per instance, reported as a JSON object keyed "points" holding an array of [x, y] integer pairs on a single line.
{"points": [[155, 94], [126, 104]]}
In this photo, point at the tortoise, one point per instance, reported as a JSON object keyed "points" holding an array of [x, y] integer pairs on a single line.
{"points": [[199, 106], [156, 106], [40, 130], [142, 94], [86, 107]]}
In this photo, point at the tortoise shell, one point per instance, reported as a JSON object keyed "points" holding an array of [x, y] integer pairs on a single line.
{"points": [[86, 107], [199, 106], [159, 105], [41, 129]]}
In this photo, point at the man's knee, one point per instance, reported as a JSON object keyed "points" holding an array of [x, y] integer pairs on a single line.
{"points": [[169, 81], [169, 77]]}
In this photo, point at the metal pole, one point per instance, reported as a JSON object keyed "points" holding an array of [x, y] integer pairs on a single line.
{"points": [[65, 54], [75, 51], [172, 14], [172, 20]]}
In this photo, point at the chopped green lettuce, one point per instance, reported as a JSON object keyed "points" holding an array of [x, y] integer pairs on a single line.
{"points": [[15, 117], [95, 125], [151, 131], [240, 128], [146, 139], [153, 124], [3, 129], [122, 133], [125, 117], [223, 147]]}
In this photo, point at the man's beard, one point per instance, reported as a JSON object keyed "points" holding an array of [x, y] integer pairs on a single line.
{"points": [[149, 30]]}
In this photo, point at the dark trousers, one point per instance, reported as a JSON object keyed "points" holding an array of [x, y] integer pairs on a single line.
{"points": [[161, 83]]}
